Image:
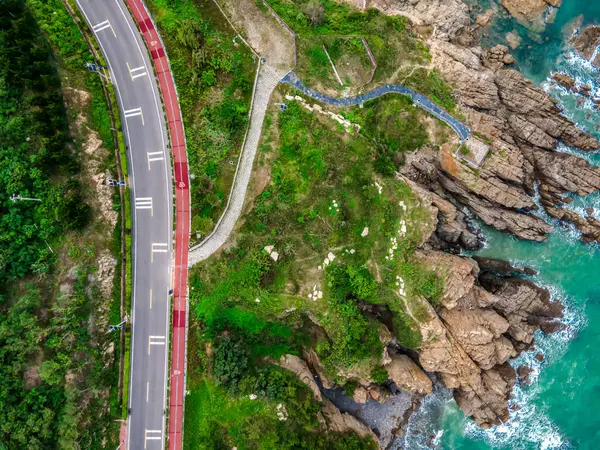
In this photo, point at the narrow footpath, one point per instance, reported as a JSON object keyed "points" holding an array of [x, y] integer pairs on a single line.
{"points": [[268, 79], [419, 100]]}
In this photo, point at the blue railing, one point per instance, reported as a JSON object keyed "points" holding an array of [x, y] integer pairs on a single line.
{"points": [[419, 100]]}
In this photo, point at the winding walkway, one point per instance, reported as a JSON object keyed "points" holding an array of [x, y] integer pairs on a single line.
{"points": [[268, 79], [419, 99]]}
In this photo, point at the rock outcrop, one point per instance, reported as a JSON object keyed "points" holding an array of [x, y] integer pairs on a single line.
{"points": [[586, 42], [501, 267], [407, 375], [299, 368], [334, 420], [445, 17], [524, 127], [487, 314], [477, 329], [529, 12]]}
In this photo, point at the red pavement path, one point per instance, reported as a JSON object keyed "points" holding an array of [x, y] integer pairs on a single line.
{"points": [[182, 219]]}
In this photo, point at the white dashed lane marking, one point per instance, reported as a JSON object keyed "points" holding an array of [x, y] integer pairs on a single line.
{"points": [[152, 435], [133, 113], [159, 248], [155, 340], [103, 26], [144, 203], [155, 156], [136, 72]]}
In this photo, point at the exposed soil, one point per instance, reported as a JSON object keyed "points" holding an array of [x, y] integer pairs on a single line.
{"points": [[263, 32]]}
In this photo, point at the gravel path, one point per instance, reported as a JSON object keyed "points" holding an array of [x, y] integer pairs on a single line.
{"points": [[268, 79]]}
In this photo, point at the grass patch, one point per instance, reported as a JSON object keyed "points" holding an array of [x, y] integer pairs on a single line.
{"points": [[214, 77], [324, 193]]}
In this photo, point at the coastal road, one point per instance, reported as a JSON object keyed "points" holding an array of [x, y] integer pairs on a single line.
{"points": [[150, 181]]}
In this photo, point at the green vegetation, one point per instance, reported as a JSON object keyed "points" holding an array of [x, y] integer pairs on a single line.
{"points": [[401, 57], [397, 126], [34, 151], [53, 366], [216, 419], [214, 77], [379, 375], [324, 192], [352, 338]]}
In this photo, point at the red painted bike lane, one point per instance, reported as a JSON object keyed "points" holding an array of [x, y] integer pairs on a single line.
{"points": [[182, 219]]}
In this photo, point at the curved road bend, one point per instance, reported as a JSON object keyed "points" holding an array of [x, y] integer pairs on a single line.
{"points": [[151, 198]]}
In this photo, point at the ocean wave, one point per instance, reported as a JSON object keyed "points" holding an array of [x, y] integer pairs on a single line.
{"points": [[530, 424], [439, 419], [592, 158]]}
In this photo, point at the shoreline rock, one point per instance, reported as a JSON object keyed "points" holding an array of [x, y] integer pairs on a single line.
{"points": [[487, 314], [585, 43], [530, 12]]}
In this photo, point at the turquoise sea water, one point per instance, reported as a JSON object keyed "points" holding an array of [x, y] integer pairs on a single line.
{"points": [[561, 409]]}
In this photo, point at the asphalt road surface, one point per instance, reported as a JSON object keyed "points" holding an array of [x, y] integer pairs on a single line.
{"points": [[150, 181]]}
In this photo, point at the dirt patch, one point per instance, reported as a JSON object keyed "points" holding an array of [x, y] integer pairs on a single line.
{"points": [[449, 162], [263, 33], [31, 376]]}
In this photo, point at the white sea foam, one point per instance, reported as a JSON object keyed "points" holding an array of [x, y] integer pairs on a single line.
{"points": [[530, 424], [590, 157]]}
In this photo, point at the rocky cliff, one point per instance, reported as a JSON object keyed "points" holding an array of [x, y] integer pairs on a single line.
{"points": [[523, 125], [488, 314]]}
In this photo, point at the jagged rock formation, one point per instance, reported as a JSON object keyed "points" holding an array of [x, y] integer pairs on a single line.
{"points": [[586, 42], [487, 315], [299, 368], [447, 16], [522, 123], [501, 267], [334, 420], [474, 334], [525, 127]]}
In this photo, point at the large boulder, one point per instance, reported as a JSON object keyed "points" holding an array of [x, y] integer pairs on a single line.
{"points": [[299, 367], [407, 375], [458, 273], [334, 420], [480, 331]]}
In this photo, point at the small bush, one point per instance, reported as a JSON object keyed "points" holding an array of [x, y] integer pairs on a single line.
{"points": [[379, 375]]}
